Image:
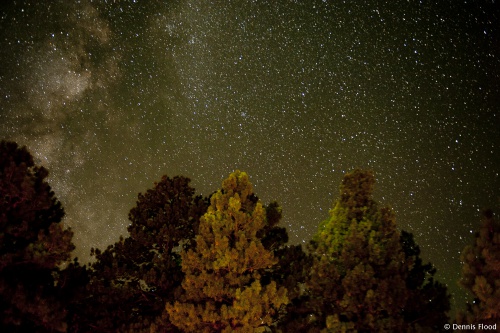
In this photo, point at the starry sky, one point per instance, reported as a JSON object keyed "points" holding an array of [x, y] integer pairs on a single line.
{"points": [[111, 95]]}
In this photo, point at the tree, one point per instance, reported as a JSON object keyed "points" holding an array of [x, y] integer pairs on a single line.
{"points": [[133, 279], [366, 275], [361, 280], [428, 300], [290, 271], [33, 243], [223, 286], [481, 273]]}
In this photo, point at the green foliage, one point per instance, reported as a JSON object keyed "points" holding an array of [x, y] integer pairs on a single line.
{"points": [[481, 273], [361, 277], [224, 290], [133, 279], [33, 243], [357, 280]]}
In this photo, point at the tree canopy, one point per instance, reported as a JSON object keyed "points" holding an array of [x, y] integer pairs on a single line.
{"points": [[223, 264]]}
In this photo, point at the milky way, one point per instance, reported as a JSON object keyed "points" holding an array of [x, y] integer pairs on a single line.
{"points": [[111, 96]]}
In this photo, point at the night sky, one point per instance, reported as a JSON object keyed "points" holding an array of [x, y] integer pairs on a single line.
{"points": [[111, 95]]}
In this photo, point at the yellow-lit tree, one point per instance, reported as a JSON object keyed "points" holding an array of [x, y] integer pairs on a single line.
{"points": [[223, 286]]}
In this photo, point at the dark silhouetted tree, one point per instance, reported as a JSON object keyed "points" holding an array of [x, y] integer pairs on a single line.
{"points": [[428, 300], [361, 277], [224, 290], [132, 280], [481, 273], [33, 243], [290, 271]]}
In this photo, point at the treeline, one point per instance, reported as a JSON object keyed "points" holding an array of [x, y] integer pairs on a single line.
{"points": [[223, 264]]}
